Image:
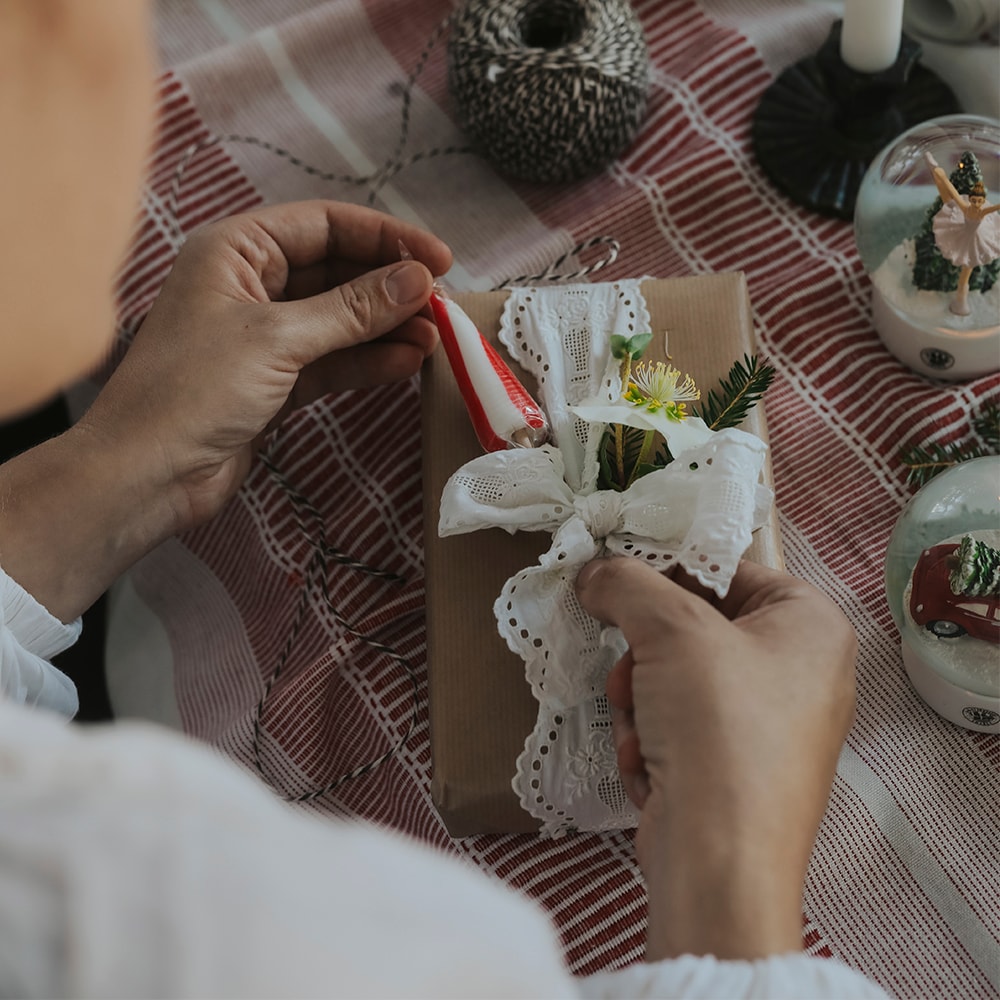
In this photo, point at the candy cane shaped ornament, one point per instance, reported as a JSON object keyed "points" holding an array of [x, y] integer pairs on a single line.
{"points": [[503, 414]]}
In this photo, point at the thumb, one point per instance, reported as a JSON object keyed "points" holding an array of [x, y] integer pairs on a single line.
{"points": [[358, 310], [642, 602]]}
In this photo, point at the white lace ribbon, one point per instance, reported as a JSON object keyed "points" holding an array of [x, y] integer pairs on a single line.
{"points": [[698, 512]]}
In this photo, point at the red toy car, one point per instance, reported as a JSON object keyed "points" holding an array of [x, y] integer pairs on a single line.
{"points": [[944, 613]]}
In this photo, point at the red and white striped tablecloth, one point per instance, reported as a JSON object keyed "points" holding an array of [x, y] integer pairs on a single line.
{"points": [[904, 880]]}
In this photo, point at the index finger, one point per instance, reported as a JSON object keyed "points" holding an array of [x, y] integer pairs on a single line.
{"points": [[627, 592]]}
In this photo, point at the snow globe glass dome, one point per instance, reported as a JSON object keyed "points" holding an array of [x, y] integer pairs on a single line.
{"points": [[942, 582], [931, 246]]}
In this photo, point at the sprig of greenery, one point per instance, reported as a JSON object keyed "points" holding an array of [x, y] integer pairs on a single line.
{"points": [[738, 393], [924, 462], [624, 453], [987, 424], [622, 447], [618, 455]]}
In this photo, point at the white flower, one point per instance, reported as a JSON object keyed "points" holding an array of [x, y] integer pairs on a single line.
{"points": [[653, 401], [680, 436]]}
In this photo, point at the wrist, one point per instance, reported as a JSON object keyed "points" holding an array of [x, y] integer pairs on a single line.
{"points": [[724, 888], [75, 513]]}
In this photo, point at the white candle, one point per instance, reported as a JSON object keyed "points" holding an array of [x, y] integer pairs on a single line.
{"points": [[869, 39]]}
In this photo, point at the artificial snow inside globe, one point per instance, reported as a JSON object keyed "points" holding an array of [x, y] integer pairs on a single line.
{"points": [[942, 581], [927, 226]]}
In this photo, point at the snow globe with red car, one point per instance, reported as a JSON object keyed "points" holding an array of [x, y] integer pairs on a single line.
{"points": [[943, 586]]}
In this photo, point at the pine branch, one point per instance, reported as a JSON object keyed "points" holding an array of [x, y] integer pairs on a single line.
{"points": [[925, 462], [737, 394], [618, 467], [987, 424]]}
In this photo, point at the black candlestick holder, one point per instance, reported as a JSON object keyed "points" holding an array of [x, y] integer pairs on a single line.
{"points": [[821, 123]]}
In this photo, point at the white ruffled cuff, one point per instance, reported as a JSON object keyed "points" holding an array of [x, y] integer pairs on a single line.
{"points": [[29, 637], [703, 977]]}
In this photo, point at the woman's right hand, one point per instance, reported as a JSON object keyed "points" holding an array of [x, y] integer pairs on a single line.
{"points": [[261, 313], [729, 716]]}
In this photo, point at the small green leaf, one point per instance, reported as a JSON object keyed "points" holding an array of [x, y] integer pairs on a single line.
{"points": [[629, 347], [619, 347], [638, 343]]}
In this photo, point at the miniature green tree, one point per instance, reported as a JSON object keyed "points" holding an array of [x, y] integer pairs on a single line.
{"points": [[931, 271], [978, 571]]}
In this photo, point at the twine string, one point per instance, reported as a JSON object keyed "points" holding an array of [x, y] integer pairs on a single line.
{"points": [[317, 571], [551, 273], [379, 178], [394, 164]]}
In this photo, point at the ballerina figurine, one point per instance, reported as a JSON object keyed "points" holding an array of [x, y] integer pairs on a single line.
{"points": [[965, 231]]}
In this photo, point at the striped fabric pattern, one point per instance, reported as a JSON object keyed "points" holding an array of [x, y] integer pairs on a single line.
{"points": [[903, 881]]}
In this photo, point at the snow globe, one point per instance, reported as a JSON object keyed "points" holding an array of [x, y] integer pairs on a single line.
{"points": [[927, 226], [942, 581]]}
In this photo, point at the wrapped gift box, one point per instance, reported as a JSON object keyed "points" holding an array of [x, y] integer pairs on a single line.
{"points": [[481, 708]]}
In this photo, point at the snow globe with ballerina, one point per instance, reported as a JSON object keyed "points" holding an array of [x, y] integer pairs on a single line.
{"points": [[927, 225]]}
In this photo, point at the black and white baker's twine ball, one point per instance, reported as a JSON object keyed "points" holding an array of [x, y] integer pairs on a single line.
{"points": [[550, 90]]}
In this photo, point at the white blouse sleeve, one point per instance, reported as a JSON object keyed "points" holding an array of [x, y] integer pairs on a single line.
{"points": [[29, 638], [134, 862]]}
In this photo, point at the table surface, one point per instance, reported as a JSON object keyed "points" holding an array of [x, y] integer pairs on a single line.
{"points": [[903, 883]]}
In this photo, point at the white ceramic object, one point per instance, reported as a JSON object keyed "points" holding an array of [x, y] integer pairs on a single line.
{"points": [[951, 20], [971, 709], [936, 350]]}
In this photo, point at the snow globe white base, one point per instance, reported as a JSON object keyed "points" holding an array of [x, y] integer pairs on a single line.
{"points": [[952, 670], [930, 339], [952, 701], [919, 326]]}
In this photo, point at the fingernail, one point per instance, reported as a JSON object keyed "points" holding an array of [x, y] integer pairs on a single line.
{"points": [[407, 283]]}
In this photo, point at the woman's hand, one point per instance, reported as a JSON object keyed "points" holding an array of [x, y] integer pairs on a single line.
{"points": [[261, 313], [729, 716]]}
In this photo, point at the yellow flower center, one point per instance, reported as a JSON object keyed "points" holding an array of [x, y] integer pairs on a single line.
{"points": [[655, 387]]}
